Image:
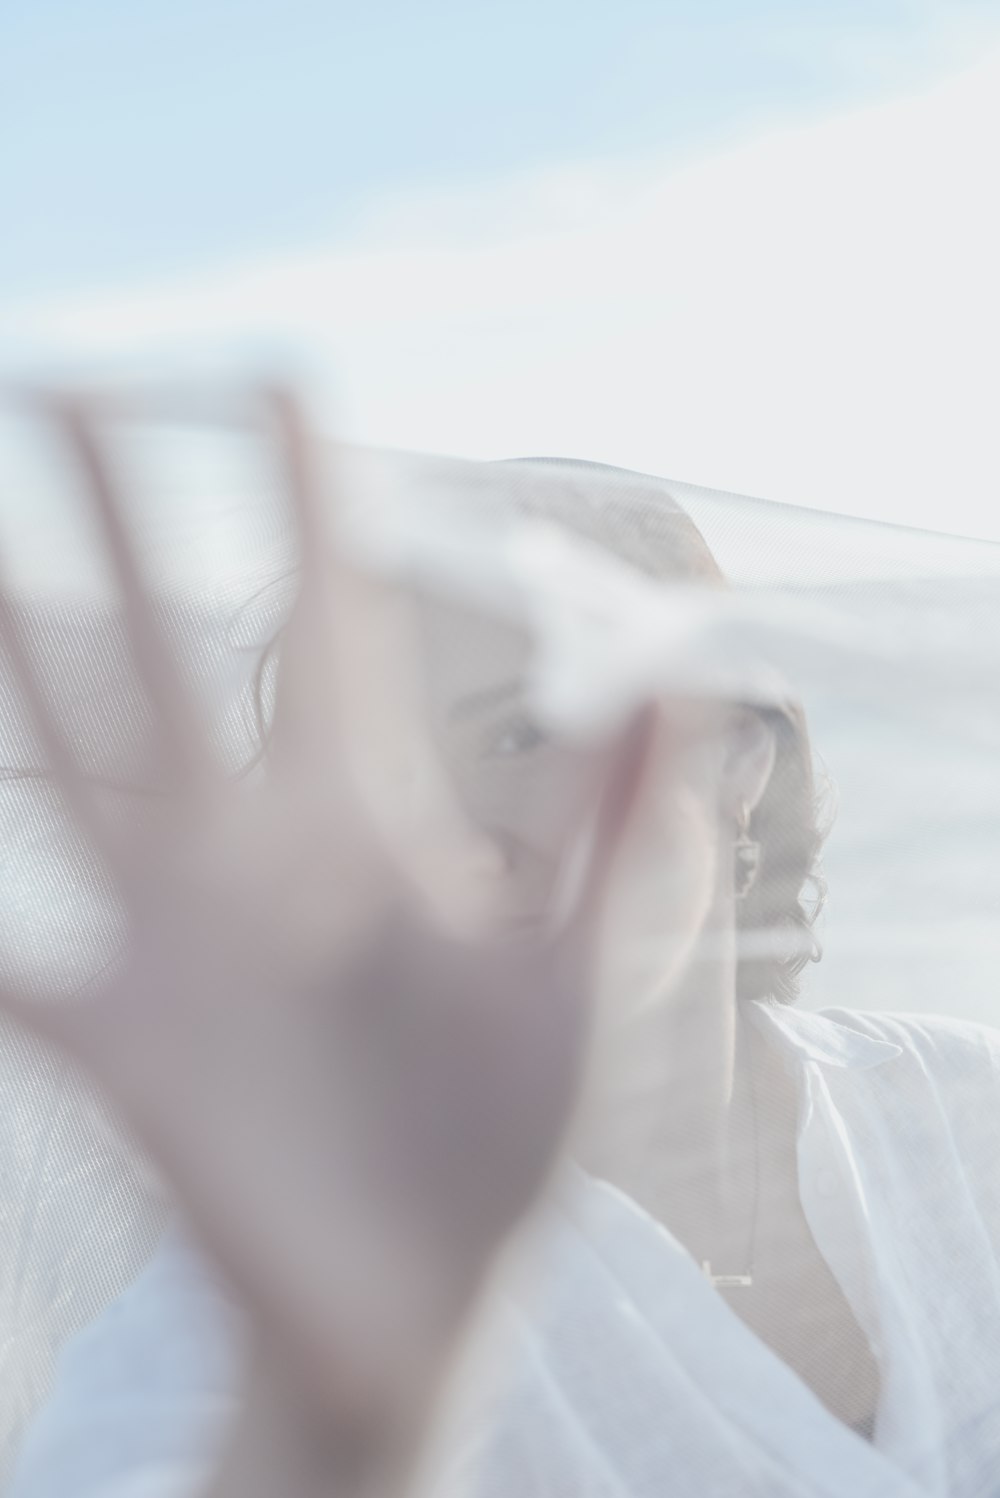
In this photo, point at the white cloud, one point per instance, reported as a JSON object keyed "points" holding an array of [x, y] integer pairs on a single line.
{"points": [[814, 317]]}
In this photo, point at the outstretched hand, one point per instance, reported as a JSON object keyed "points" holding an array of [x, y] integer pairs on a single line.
{"points": [[354, 1100]]}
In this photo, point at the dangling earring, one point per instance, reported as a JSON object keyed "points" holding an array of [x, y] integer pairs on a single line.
{"points": [[746, 855]]}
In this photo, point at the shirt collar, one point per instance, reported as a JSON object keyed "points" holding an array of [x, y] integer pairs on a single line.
{"points": [[820, 1037]]}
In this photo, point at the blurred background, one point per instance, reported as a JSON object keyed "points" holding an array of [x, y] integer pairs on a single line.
{"points": [[751, 246]]}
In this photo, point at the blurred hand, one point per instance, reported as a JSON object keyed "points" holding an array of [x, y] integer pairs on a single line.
{"points": [[354, 1102]]}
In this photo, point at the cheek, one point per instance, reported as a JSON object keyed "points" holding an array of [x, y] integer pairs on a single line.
{"points": [[538, 801], [530, 809], [662, 894]]}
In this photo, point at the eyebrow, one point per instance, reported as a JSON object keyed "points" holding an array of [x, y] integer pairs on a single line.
{"points": [[476, 703]]}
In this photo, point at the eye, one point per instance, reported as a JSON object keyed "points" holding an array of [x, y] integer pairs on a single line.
{"points": [[513, 736]]}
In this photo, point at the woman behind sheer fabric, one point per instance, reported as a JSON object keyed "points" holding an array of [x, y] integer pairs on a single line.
{"points": [[741, 1284]]}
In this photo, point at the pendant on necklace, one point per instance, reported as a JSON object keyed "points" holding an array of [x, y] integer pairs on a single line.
{"points": [[725, 1281]]}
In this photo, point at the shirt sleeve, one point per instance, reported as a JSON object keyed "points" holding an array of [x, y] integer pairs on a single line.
{"points": [[143, 1396]]}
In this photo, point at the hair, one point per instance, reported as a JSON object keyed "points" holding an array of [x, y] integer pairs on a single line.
{"points": [[776, 919], [635, 517]]}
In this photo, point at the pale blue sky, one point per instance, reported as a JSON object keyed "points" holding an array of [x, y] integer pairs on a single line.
{"points": [[141, 139], [746, 243]]}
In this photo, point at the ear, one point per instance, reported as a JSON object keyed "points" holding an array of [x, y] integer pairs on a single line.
{"points": [[748, 760]]}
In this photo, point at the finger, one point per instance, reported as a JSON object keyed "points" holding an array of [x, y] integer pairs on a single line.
{"points": [[305, 482], [219, 407], [67, 772], [585, 885], [48, 1019], [349, 691], [179, 731], [342, 705], [306, 705]]}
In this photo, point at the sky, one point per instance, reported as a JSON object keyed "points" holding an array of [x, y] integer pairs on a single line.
{"points": [[743, 245]]}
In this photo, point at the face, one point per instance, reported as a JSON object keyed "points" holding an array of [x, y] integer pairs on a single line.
{"points": [[526, 794]]}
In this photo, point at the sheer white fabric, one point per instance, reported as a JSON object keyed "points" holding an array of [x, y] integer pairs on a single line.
{"points": [[625, 1374]]}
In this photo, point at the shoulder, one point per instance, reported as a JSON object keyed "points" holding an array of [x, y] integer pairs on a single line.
{"points": [[943, 1048], [920, 1081], [935, 1095], [141, 1395], [863, 1043], [176, 1319]]}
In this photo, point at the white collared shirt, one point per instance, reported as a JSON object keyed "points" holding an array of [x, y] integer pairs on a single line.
{"points": [[630, 1377]]}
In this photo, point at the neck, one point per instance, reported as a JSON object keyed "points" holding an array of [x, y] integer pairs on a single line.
{"points": [[671, 1107]]}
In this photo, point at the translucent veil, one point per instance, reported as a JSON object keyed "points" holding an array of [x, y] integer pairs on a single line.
{"points": [[883, 639]]}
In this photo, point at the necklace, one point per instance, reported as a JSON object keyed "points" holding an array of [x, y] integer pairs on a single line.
{"points": [[744, 1280]]}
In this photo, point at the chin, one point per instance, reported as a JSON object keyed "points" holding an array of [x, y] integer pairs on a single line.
{"points": [[651, 950]]}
